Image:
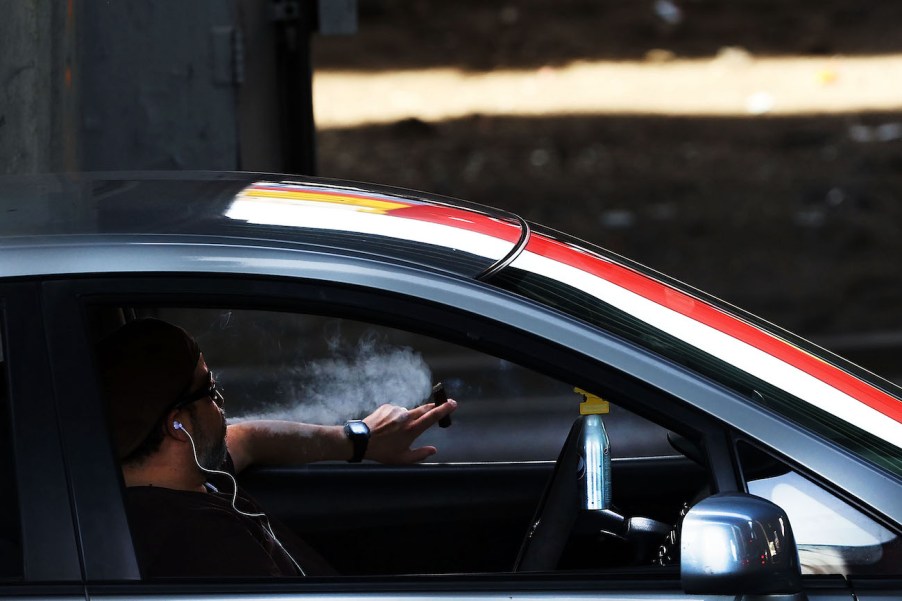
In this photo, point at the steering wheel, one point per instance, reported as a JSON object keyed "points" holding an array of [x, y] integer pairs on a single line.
{"points": [[559, 516]]}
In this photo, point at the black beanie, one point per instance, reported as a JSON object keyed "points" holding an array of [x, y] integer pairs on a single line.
{"points": [[145, 367]]}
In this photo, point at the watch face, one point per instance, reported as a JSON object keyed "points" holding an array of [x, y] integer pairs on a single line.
{"points": [[358, 428]]}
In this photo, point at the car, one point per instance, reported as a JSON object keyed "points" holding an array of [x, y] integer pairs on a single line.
{"points": [[619, 435]]}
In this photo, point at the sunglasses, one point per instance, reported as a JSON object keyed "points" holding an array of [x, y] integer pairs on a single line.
{"points": [[210, 390]]}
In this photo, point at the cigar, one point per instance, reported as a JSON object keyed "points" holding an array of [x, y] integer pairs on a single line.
{"points": [[439, 397]]}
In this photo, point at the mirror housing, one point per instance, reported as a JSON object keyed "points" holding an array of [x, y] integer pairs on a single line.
{"points": [[736, 544]]}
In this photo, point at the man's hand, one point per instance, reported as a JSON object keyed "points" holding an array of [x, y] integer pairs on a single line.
{"points": [[393, 430]]}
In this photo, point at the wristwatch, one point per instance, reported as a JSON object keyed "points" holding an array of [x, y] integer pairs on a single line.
{"points": [[359, 434]]}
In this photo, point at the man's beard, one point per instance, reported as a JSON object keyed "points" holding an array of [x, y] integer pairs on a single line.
{"points": [[211, 452]]}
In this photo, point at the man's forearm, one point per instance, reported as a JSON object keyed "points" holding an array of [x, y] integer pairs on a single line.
{"points": [[271, 442], [393, 429]]}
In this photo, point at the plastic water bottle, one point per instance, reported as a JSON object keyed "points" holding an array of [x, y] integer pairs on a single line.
{"points": [[596, 453]]}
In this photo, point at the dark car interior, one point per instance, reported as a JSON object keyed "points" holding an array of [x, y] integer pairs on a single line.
{"points": [[460, 518]]}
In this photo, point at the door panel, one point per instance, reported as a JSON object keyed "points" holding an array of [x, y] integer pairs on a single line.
{"points": [[436, 518]]}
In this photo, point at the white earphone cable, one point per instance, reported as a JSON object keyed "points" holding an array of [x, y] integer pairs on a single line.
{"points": [[267, 526]]}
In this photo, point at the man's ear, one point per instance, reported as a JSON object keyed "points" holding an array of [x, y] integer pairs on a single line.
{"points": [[174, 426]]}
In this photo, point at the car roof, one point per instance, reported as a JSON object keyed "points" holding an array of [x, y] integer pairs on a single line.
{"points": [[252, 210]]}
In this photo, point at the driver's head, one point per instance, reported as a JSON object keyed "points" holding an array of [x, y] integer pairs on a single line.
{"points": [[146, 366]]}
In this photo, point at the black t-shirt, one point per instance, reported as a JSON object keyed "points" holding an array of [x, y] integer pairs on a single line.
{"points": [[185, 534]]}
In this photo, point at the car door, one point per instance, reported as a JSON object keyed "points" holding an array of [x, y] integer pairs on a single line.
{"points": [[39, 553], [648, 386]]}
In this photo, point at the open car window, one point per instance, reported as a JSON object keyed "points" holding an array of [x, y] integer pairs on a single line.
{"points": [[325, 370], [470, 508]]}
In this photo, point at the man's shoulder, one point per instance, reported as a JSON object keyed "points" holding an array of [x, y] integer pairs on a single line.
{"points": [[184, 533], [161, 516]]}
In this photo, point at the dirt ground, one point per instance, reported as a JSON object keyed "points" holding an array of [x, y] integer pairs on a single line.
{"points": [[795, 218]]}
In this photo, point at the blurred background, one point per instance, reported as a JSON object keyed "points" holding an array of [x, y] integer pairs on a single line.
{"points": [[751, 148]]}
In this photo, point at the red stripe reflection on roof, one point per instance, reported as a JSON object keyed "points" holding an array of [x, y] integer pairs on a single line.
{"points": [[709, 315]]}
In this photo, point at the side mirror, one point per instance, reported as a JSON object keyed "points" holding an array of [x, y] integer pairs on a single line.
{"points": [[736, 544]]}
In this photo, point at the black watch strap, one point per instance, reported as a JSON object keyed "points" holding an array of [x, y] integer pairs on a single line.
{"points": [[359, 434]]}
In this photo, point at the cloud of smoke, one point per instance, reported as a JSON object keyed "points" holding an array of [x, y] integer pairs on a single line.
{"points": [[350, 383]]}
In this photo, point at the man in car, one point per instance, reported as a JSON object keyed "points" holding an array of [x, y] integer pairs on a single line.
{"points": [[178, 457]]}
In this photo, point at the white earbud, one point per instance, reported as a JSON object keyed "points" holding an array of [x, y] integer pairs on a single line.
{"points": [[178, 425]]}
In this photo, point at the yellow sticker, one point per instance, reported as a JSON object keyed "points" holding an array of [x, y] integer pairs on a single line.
{"points": [[593, 404]]}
